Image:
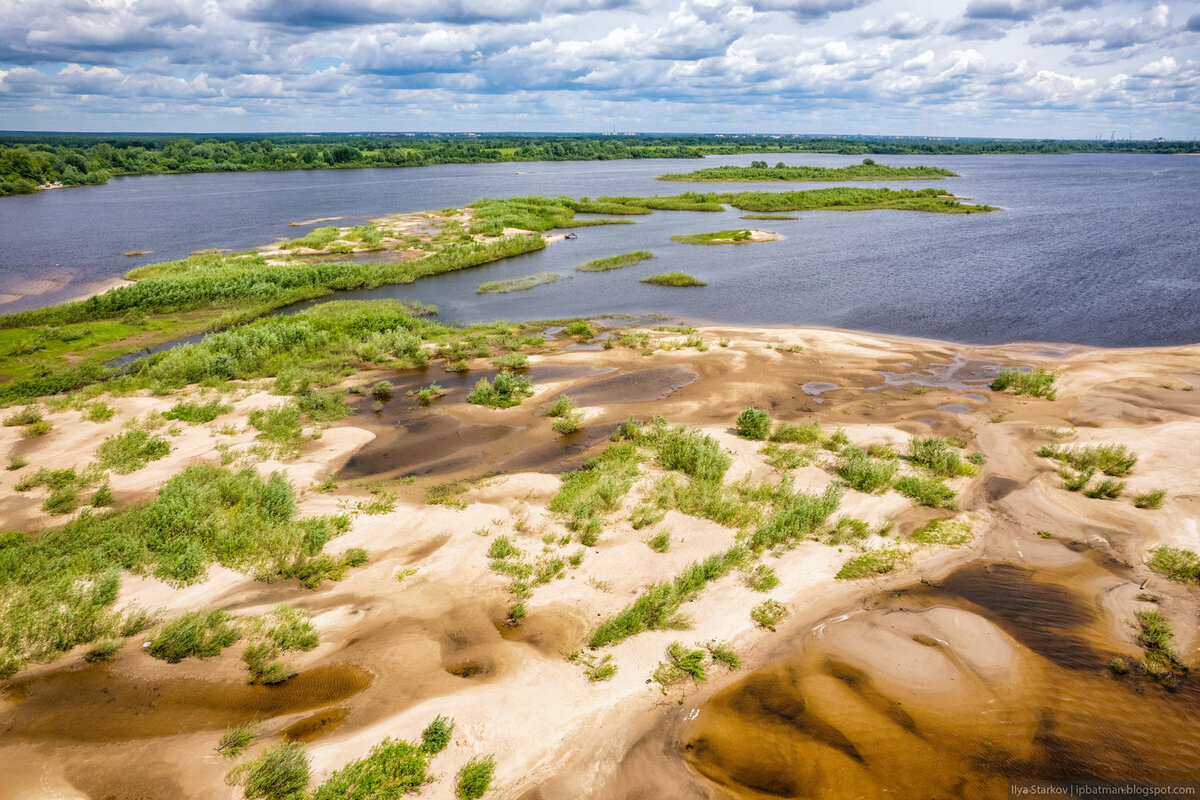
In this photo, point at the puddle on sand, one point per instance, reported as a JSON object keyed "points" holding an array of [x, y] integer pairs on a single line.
{"points": [[998, 487], [960, 373], [654, 383], [814, 388], [98, 704], [972, 396], [315, 726], [955, 408], [835, 717]]}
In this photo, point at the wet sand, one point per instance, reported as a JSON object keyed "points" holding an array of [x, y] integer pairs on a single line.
{"points": [[971, 666]]}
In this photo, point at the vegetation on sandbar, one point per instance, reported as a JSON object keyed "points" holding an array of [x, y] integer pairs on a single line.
{"points": [[740, 236], [615, 262], [673, 279], [1032, 383], [518, 284], [868, 170], [778, 217]]}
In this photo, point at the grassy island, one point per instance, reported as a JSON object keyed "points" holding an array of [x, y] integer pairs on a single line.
{"points": [[615, 262], [517, 284], [673, 279], [759, 171], [776, 217], [740, 236]]}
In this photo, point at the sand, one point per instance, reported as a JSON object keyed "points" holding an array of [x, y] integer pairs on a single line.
{"points": [[552, 732]]}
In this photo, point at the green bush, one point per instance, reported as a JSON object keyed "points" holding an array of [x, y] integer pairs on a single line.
{"points": [[563, 406], [871, 563], [26, 416], [930, 492], [237, 739], [753, 423], [660, 542], [768, 613], [103, 650], [99, 411], [1111, 459], [508, 390], [393, 768], [130, 451], [590, 493], [280, 426], [936, 455], [197, 412], [475, 777], [1176, 563], [281, 773], [786, 433], [681, 662], [1034, 383], [202, 634], [437, 734], [862, 472], [1151, 499], [673, 279], [762, 578]]}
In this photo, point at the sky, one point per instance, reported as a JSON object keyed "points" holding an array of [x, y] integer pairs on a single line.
{"points": [[1011, 68]]}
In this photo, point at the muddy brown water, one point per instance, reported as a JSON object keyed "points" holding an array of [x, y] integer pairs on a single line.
{"points": [[98, 704], [813, 725]]}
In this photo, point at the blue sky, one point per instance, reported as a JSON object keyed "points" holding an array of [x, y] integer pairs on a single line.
{"points": [[1031, 68]]}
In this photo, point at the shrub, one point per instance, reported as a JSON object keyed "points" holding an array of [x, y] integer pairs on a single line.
{"points": [[197, 412], [508, 390], [1176, 563], [566, 425], [280, 426], [681, 662], [511, 361], [943, 531], [660, 542], [862, 472], [724, 655], [768, 613], [237, 739], [39, 428], [475, 777], [753, 423], [502, 548], [202, 634], [428, 394], [17, 462], [1111, 459], [26, 416], [563, 406], [786, 433], [930, 492], [393, 768], [280, 773], [130, 451], [103, 650], [871, 563], [936, 455], [1119, 666], [762, 578], [794, 516], [99, 411], [437, 735], [579, 328], [1151, 499], [689, 451], [589, 493], [62, 500], [1034, 383], [1107, 488]]}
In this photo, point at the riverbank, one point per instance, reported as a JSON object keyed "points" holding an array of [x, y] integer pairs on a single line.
{"points": [[430, 617]]}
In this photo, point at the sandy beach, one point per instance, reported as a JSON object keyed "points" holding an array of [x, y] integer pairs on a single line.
{"points": [[395, 652]]}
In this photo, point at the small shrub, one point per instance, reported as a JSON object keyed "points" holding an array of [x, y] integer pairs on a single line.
{"points": [[786, 433], [202, 634], [762, 578], [930, 492], [1119, 666], [768, 614], [103, 650], [475, 777], [936, 455], [502, 548], [871, 563], [1151, 499], [723, 654], [99, 411], [279, 426], [26, 416], [437, 735], [197, 413], [952, 533], [131, 451], [237, 739], [754, 424], [660, 542], [1176, 563], [281, 773], [566, 425], [681, 663], [511, 361], [382, 391], [1108, 488], [508, 390], [427, 395], [1033, 383], [1111, 459], [39, 428], [563, 406], [17, 462], [1075, 480], [62, 500], [862, 472], [580, 328]]}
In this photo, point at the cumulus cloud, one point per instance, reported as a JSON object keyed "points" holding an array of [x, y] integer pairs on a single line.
{"points": [[577, 64]]}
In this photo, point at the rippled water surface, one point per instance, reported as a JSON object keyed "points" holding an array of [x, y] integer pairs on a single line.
{"points": [[1098, 249]]}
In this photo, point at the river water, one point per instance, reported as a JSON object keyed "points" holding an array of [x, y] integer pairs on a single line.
{"points": [[1095, 249]]}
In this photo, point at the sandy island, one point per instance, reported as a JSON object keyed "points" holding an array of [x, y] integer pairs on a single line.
{"points": [[436, 642]]}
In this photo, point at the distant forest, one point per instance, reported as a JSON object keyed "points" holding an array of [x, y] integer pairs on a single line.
{"points": [[32, 161]]}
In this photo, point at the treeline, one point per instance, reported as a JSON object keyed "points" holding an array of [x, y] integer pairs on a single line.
{"points": [[30, 161]]}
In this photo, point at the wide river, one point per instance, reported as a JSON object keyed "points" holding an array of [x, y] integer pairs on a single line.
{"points": [[1094, 249]]}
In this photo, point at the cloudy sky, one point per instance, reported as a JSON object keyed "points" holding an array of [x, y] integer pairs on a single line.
{"points": [[1062, 68]]}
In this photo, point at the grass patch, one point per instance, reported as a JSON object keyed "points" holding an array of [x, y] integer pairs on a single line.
{"points": [[1111, 459], [862, 472], [197, 413], [785, 458], [508, 390], [474, 777], [588, 494], [1032, 383], [794, 516], [202, 634], [660, 542], [128, 452], [932, 492], [98, 411], [872, 563], [687, 450], [280, 773], [761, 578], [658, 607], [1151, 499], [768, 614], [436, 735], [281, 427], [786, 433], [739, 236], [1109, 488], [563, 406], [518, 284], [1175, 563], [673, 279], [393, 768], [681, 663], [938, 457], [951, 533], [759, 171], [237, 739], [753, 424], [775, 217], [615, 262]]}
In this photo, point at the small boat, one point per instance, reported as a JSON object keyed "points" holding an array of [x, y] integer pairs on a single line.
{"points": [[571, 236]]}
